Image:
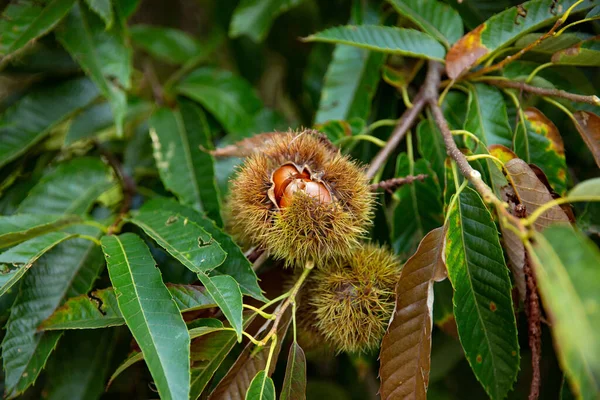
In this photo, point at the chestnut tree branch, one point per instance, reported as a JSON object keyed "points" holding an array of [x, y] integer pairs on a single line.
{"points": [[390, 185], [515, 221], [503, 83], [471, 174], [405, 122]]}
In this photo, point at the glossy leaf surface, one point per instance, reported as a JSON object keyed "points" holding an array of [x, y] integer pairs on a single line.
{"points": [[150, 313], [408, 42], [181, 139], [482, 294], [228, 97], [434, 17], [67, 270], [31, 118], [24, 21], [235, 265], [294, 383], [103, 55], [20, 258], [71, 188], [99, 309]]}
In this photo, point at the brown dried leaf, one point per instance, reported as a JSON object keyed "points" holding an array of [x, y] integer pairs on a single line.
{"points": [[236, 382], [544, 179], [531, 189], [512, 243], [465, 53], [406, 348], [588, 125], [532, 193]]}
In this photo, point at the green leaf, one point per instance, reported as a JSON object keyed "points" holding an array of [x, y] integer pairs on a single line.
{"points": [[294, 383], [502, 29], [261, 388], [103, 55], [594, 12], [418, 206], [584, 54], [454, 109], [99, 117], [150, 313], [549, 45], [93, 119], [566, 267], [79, 367], [236, 264], [22, 256], [349, 84], [71, 188], [126, 8], [103, 9], [431, 146], [17, 228], [181, 237], [541, 144], [99, 309], [181, 140], [386, 39], [50, 105], [487, 117], [137, 356], [24, 21], [134, 357], [436, 18], [482, 294], [228, 296], [228, 97], [170, 45], [255, 17], [591, 187], [67, 270]]}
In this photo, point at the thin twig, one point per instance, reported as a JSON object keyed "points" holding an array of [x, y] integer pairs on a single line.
{"points": [[389, 185], [260, 261], [471, 174], [405, 122], [127, 184], [254, 254], [534, 314], [595, 100], [291, 299]]}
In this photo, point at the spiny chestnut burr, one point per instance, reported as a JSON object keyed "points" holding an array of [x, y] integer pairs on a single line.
{"points": [[300, 199], [349, 301]]}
